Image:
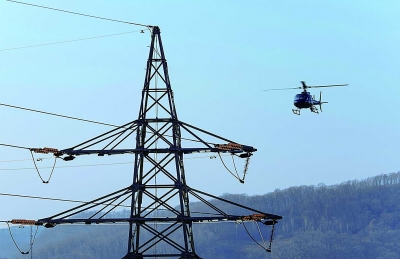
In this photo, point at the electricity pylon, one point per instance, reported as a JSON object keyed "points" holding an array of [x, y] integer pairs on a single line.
{"points": [[159, 173]]}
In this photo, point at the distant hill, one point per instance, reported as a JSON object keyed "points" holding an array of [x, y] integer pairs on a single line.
{"points": [[355, 219]]}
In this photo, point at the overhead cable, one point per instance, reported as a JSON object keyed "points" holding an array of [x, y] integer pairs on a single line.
{"points": [[237, 174], [263, 247], [59, 115], [7, 145], [20, 160], [83, 202], [54, 199], [68, 41], [67, 166], [88, 165], [15, 243], [74, 118], [37, 170], [87, 15]]}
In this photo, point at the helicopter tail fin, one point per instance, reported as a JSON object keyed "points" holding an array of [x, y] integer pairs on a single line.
{"points": [[320, 102]]}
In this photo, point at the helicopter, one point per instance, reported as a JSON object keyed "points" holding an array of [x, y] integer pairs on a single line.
{"points": [[304, 100]]}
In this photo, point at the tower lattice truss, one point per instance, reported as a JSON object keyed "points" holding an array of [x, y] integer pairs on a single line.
{"points": [[159, 196]]}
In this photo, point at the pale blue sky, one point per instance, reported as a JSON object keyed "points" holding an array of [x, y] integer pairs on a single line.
{"points": [[221, 55]]}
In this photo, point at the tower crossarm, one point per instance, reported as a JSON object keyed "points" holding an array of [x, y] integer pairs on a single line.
{"points": [[209, 219], [107, 143], [151, 150]]}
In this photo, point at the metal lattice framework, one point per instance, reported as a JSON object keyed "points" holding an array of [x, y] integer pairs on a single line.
{"points": [[159, 173]]}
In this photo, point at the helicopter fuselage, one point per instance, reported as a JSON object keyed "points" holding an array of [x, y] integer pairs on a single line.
{"points": [[304, 100]]}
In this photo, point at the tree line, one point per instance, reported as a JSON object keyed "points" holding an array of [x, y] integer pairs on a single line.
{"points": [[354, 219]]}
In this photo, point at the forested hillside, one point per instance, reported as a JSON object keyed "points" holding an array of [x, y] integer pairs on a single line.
{"points": [[355, 219]]}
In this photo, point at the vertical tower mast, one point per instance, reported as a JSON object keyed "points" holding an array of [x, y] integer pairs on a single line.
{"points": [[161, 102]]}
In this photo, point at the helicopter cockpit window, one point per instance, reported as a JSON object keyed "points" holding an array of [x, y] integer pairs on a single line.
{"points": [[300, 97]]}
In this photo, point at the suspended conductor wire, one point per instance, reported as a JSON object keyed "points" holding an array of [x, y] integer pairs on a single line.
{"points": [[15, 243], [85, 202], [90, 165], [265, 248], [68, 166], [81, 14], [59, 115], [7, 145], [57, 199], [237, 174], [75, 118], [234, 165], [37, 170], [68, 41], [20, 160]]}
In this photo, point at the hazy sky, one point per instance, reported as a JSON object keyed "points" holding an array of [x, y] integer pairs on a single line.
{"points": [[221, 55]]}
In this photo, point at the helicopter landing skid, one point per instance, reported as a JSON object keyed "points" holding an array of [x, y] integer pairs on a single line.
{"points": [[314, 109], [296, 111]]}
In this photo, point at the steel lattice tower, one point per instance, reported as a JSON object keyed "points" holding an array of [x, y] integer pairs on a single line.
{"points": [[158, 174], [152, 96]]}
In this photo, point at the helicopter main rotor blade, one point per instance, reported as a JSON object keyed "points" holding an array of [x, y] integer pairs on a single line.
{"points": [[318, 86], [304, 87], [277, 89]]}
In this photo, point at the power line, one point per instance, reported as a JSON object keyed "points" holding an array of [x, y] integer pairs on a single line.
{"points": [[68, 41], [83, 202], [54, 199], [74, 118], [29, 168], [87, 15], [20, 160], [89, 165], [55, 114], [37, 170], [7, 145], [77, 201], [15, 243]]}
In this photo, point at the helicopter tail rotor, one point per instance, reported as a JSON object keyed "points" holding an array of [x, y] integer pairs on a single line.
{"points": [[320, 102]]}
